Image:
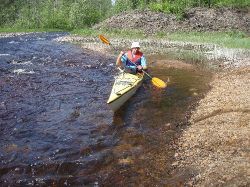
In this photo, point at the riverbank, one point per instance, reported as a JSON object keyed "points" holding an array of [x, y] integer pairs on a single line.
{"points": [[215, 147], [210, 54]]}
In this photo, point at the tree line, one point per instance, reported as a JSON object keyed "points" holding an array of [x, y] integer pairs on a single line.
{"points": [[176, 6], [71, 14], [62, 14]]}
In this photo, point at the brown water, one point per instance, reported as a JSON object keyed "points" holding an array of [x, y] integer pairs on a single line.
{"points": [[57, 130]]}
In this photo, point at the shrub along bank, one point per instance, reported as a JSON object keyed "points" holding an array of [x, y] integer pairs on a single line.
{"points": [[73, 14]]}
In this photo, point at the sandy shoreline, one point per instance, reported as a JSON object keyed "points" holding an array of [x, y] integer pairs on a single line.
{"points": [[216, 144]]}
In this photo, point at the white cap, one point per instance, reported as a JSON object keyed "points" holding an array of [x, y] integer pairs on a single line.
{"points": [[135, 44]]}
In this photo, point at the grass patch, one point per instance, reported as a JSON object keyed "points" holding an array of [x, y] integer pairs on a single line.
{"points": [[191, 57], [16, 30], [121, 33], [224, 39], [85, 32]]}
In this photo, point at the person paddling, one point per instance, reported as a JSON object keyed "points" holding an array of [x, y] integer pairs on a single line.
{"points": [[133, 60]]}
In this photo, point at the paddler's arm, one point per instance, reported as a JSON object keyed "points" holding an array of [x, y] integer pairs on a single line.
{"points": [[119, 59], [144, 62], [143, 65], [122, 59]]}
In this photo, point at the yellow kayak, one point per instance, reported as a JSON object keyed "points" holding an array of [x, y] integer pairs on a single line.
{"points": [[124, 87]]}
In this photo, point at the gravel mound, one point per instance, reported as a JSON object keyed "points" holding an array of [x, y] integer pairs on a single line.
{"points": [[196, 19]]}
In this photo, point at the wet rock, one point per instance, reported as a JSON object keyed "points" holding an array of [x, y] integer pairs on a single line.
{"points": [[5, 35], [125, 161]]}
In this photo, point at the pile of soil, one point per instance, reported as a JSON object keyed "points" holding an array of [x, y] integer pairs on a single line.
{"points": [[196, 19]]}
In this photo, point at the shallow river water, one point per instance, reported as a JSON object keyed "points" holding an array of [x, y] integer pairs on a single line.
{"points": [[57, 130]]}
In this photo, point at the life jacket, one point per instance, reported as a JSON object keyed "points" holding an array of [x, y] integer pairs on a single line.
{"points": [[134, 61]]}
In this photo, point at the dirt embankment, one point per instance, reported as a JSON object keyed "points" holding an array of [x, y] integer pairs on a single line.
{"points": [[196, 19]]}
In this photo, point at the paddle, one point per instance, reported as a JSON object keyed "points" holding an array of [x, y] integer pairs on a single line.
{"points": [[155, 81]]}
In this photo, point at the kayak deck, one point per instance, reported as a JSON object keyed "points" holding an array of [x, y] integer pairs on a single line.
{"points": [[124, 87]]}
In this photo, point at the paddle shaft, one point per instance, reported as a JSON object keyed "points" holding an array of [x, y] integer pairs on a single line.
{"points": [[147, 74], [144, 72]]}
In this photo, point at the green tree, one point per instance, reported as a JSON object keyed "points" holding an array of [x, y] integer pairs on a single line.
{"points": [[67, 14], [87, 12]]}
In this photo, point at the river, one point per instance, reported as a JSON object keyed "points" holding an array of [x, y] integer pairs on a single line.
{"points": [[57, 130]]}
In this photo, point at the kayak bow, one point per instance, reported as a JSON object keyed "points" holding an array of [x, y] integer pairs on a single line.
{"points": [[124, 87]]}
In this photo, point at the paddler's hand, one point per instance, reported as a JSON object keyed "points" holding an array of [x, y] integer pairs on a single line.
{"points": [[139, 68], [118, 60], [121, 53]]}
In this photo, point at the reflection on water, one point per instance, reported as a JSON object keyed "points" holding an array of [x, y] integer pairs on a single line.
{"points": [[56, 128]]}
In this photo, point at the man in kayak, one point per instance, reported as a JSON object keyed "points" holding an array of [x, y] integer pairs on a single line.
{"points": [[133, 60]]}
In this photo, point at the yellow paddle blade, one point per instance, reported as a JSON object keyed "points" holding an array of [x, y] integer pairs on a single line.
{"points": [[104, 40], [158, 83]]}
